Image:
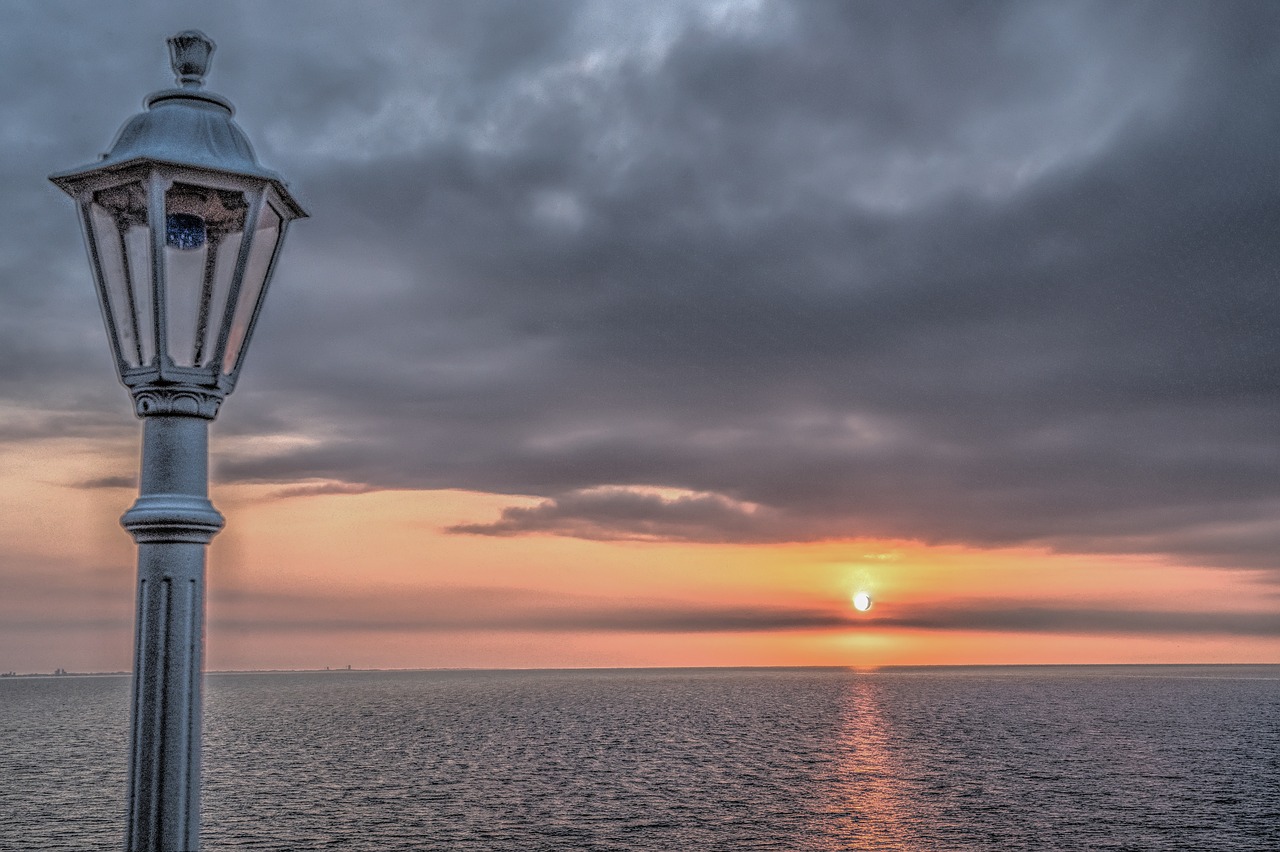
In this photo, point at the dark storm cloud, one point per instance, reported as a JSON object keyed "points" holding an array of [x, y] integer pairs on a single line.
{"points": [[990, 273]]}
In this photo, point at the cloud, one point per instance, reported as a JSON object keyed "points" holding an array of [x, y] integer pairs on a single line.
{"points": [[86, 599], [127, 481], [316, 489], [1042, 619], [453, 609], [701, 619], [994, 274], [626, 513]]}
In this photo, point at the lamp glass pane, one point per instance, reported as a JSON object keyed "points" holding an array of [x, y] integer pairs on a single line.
{"points": [[199, 222], [227, 251], [118, 218], [266, 239]]}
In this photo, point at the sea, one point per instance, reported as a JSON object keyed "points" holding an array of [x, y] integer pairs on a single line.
{"points": [[636, 760]]}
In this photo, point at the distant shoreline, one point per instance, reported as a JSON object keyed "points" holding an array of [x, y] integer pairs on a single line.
{"points": [[957, 667]]}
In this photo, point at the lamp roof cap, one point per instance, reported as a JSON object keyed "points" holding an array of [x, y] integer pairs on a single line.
{"points": [[186, 126]]}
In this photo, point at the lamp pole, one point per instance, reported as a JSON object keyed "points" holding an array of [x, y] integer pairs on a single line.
{"points": [[183, 228], [172, 522]]}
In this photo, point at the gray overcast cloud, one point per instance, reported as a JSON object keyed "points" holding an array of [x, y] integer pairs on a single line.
{"points": [[991, 273]]}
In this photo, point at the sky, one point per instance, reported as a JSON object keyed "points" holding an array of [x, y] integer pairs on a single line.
{"points": [[647, 334]]}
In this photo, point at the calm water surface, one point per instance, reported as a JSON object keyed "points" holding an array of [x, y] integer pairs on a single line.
{"points": [[1070, 758]]}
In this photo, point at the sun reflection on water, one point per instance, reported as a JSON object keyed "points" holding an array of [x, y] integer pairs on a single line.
{"points": [[874, 812]]}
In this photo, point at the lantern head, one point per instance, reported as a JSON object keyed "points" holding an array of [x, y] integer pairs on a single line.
{"points": [[183, 228]]}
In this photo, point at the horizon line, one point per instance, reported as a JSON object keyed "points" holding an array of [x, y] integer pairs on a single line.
{"points": [[851, 667]]}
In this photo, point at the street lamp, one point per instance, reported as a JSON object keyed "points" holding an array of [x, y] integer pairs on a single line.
{"points": [[183, 228]]}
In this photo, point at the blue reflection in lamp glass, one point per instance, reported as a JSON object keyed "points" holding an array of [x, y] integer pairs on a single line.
{"points": [[184, 231]]}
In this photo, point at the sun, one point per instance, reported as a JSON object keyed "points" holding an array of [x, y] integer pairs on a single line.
{"points": [[862, 601]]}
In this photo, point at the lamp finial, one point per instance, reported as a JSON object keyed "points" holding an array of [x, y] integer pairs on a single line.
{"points": [[190, 52]]}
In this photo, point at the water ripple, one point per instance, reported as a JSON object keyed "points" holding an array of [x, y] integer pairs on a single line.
{"points": [[959, 759]]}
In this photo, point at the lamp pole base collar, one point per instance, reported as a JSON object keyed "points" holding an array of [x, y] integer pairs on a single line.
{"points": [[172, 517]]}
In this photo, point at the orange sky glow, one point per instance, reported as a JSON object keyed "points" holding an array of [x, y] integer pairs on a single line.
{"points": [[373, 580]]}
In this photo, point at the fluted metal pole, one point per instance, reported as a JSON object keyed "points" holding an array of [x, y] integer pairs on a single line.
{"points": [[172, 522]]}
